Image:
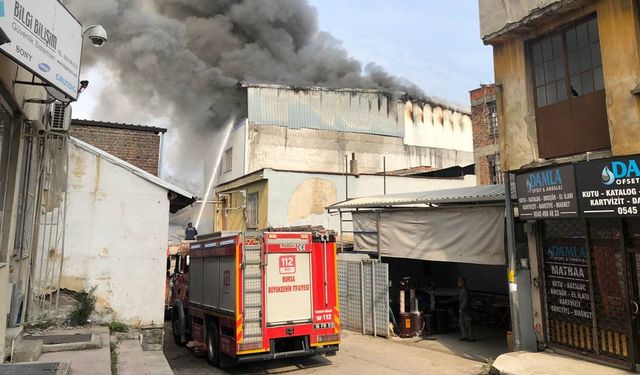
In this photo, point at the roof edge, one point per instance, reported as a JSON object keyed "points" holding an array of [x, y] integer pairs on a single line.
{"points": [[560, 6], [131, 168], [118, 125], [402, 96]]}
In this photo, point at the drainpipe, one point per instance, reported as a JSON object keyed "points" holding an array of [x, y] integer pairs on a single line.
{"points": [[346, 177], [161, 155], [511, 251]]}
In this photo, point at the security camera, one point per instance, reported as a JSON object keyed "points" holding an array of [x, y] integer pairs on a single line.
{"points": [[97, 35], [38, 127]]}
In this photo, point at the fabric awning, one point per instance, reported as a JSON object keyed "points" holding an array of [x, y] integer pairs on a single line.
{"points": [[458, 234]]}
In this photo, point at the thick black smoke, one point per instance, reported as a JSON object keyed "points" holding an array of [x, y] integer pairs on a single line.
{"points": [[182, 59]]}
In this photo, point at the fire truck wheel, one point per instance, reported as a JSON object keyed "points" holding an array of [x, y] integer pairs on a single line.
{"points": [[213, 347], [177, 324]]}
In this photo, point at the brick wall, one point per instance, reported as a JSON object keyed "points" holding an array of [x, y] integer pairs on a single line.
{"points": [[140, 148], [485, 142]]}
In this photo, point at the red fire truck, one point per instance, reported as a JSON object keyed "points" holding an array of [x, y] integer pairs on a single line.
{"points": [[255, 296]]}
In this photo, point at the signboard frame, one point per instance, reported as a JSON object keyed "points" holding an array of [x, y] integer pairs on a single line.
{"points": [[547, 193], [60, 67], [609, 187]]}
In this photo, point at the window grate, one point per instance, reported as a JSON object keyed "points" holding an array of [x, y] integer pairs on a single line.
{"points": [[494, 169], [252, 210], [228, 160], [493, 118]]}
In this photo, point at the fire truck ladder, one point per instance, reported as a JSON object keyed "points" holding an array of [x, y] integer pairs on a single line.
{"points": [[252, 286]]}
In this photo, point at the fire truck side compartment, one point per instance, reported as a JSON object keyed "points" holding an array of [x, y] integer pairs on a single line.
{"points": [[227, 282], [196, 268], [210, 294]]}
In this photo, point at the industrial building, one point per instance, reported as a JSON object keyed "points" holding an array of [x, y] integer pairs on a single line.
{"points": [[313, 135]]}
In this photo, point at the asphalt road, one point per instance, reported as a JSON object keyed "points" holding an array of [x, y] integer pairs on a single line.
{"points": [[358, 355]]}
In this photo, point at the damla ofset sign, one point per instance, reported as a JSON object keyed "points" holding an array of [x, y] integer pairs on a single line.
{"points": [[609, 187], [597, 188], [547, 193]]}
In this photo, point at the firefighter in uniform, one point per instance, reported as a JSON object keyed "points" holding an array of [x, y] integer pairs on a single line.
{"points": [[190, 233]]}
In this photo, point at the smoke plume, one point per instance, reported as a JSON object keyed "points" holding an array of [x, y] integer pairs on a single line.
{"points": [[181, 60]]}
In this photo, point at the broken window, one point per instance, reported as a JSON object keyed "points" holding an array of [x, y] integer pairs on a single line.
{"points": [[252, 210], [493, 118], [494, 169], [569, 90]]}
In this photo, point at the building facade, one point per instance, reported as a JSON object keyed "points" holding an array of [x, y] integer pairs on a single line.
{"points": [[567, 78], [312, 129], [135, 144], [274, 198], [300, 144], [117, 223], [486, 147]]}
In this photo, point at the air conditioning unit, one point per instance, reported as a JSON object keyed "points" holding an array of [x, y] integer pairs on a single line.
{"points": [[60, 117]]}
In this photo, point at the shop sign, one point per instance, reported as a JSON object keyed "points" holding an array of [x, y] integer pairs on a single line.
{"points": [[45, 39], [609, 187], [567, 281], [547, 193]]}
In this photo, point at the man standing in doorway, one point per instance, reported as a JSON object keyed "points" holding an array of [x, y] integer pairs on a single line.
{"points": [[464, 313], [190, 233]]}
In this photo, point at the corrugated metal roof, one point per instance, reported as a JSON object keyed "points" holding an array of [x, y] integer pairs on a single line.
{"points": [[474, 194], [118, 125], [334, 110], [188, 197], [401, 96]]}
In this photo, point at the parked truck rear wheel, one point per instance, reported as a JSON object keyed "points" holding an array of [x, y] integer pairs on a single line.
{"points": [[178, 324], [213, 345]]}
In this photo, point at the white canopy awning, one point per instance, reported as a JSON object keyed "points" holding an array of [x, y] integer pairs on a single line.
{"points": [[453, 234]]}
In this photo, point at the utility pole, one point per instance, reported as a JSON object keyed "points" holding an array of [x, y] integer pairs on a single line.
{"points": [[511, 251], [346, 177], [384, 173]]}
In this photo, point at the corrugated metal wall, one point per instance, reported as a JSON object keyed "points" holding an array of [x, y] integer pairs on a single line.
{"points": [[363, 291], [367, 112]]}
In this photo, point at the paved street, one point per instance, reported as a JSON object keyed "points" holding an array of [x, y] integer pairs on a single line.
{"points": [[358, 355]]}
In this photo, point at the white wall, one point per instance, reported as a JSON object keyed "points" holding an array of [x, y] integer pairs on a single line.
{"points": [[437, 127], [300, 198], [312, 150], [116, 238], [237, 141]]}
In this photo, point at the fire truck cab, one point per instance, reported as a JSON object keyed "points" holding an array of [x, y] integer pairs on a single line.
{"points": [[260, 295]]}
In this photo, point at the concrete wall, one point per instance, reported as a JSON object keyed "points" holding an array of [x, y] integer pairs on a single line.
{"points": [[619, 30], [140, 148], [13, 271], [116, 239], [313, 150], [499, 15], [237, 141], [434, 126]]}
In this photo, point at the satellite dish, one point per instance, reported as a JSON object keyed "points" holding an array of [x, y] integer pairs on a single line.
{"points": [[57, 94]]}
